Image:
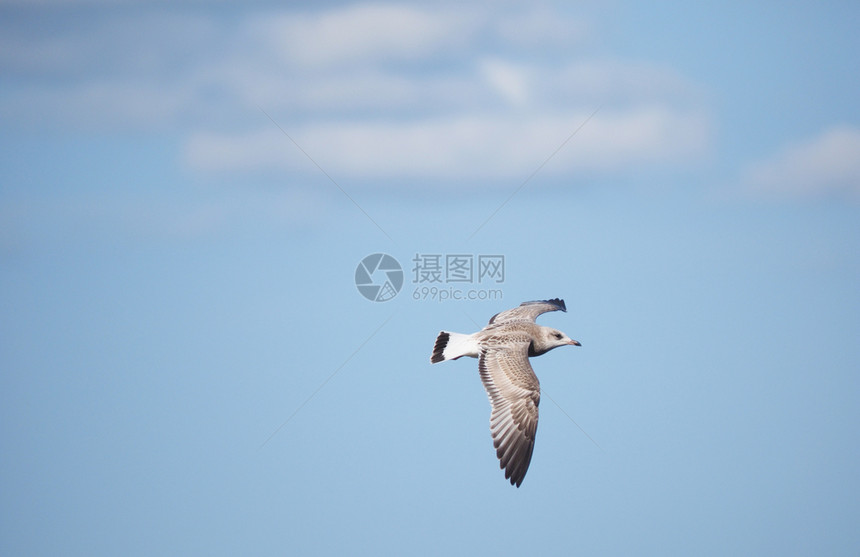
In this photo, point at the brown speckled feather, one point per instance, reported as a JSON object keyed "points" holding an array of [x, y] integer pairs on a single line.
{"points": [[514, 393], [529, 310]]}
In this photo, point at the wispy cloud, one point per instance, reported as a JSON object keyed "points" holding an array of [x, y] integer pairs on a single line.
{"points": [[825, 165], [443, 108], [362, 33], [489, 146], [372, 89]]}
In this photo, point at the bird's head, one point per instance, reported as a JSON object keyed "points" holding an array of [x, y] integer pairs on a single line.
{"points": [[550, 338]]}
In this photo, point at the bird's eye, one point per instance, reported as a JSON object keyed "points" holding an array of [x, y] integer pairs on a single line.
{"points": [[557, 335]]}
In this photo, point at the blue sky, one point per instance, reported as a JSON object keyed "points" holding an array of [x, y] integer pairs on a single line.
{"points": [[186, 190]]}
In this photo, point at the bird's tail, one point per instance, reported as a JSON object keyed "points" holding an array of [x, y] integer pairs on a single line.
{"points": [[450, 346]]}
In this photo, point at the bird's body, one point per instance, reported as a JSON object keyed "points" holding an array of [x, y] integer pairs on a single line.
{"points": [[503, 349]]}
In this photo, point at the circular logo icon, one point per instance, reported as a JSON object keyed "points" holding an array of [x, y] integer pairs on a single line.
{"points": [[379, 277]]}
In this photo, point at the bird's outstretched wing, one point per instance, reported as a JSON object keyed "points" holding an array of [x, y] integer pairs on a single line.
{"points": [[514, 393], [529, 310]]}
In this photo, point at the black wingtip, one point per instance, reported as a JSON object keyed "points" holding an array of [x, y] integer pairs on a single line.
{"points": [[557, 302], [439, 348], [516, 478]]}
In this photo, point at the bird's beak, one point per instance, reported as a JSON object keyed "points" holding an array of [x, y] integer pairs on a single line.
{"points": [[574, 343]]}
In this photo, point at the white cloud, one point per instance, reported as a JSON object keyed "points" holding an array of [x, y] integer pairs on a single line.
{"points": [[362, 32], [510, 80], [463, 147], [373, 90], [350, 91], [828, 164]]}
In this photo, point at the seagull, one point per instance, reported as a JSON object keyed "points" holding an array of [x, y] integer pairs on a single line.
{"points": [[503, 349]]}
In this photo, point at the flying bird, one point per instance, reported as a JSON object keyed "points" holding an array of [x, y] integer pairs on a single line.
{"points": [[503, 349]]}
